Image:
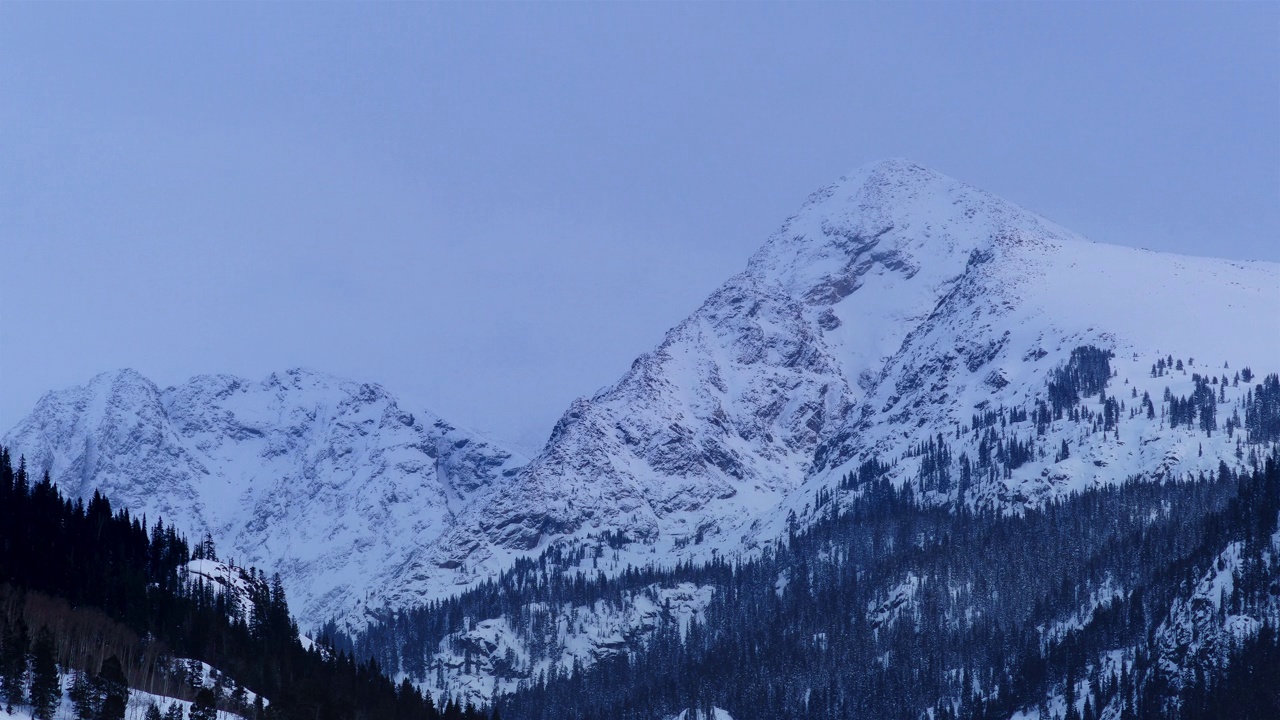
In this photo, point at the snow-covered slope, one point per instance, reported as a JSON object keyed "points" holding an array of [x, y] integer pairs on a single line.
{"points": [[893, 306], [326, 481], [136, 709], [491, 657]]}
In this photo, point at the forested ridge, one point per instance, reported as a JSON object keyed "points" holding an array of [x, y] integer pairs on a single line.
{"points": [[996, 613], [98, 598]]}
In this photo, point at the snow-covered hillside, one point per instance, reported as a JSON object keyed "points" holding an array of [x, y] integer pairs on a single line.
{"points": [[1207, 621], [492, 658], [326, 481]]}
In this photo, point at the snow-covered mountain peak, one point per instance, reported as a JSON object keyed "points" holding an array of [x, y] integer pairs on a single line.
{"points": [[895, 302], [893, 216], [105, 391], [331, 482]]}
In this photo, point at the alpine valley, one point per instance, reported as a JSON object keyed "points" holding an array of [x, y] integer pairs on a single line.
{"points": [[928, 455]]}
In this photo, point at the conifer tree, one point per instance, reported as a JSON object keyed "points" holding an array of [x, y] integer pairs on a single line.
{"points": [[46, 683], [114, 690], [205, 706], [84, 696], [13, 663]]}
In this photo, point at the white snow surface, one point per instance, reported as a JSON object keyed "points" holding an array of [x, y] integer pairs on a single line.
{"points": [[895, 304], [716, 714]]}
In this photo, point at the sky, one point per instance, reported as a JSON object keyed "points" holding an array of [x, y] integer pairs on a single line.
{"points": [[491, 209]]}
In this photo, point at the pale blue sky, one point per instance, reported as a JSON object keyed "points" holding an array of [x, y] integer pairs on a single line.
{"points": [[491, 209]]}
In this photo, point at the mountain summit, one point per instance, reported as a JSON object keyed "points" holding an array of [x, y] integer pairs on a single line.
{"points": [[892, 307]]}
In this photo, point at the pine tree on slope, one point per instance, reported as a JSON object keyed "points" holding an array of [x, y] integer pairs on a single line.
{"points": [[13, 664], [114, 688], [46, 682], [204, 706]]}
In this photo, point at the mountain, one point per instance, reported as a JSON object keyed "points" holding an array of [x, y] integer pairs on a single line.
{"points": [[899, 315], [897, 305], [923, 424], [327, 481], [902, 327]]}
